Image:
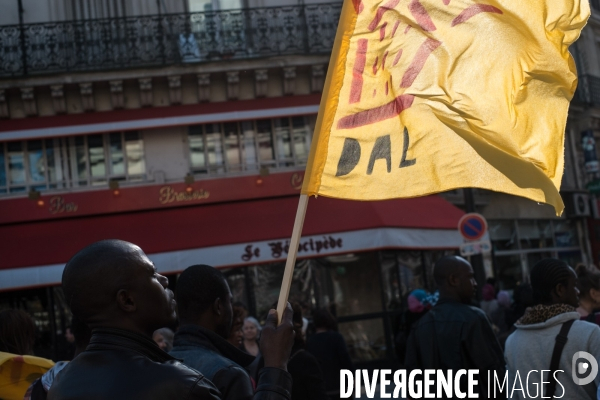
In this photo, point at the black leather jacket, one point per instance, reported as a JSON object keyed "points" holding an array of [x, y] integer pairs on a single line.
{"points": [[123, 365], [455, 336], [215, 358]]}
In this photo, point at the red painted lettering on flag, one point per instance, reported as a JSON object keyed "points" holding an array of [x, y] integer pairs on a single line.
{"points": [[395, 27], [375, 66], [407, 29], [421, 16], [382, 31], [383, 61], [418, 62], [474, 10], [380, 11], [357, 74], [397, 58], [358, 6], [373, 115]]}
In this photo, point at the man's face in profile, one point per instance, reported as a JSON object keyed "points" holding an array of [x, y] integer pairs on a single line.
{"points": [[227, 318], [156, 306]]}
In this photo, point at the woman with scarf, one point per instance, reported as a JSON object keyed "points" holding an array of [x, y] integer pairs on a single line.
{"points": [[534, 345]]}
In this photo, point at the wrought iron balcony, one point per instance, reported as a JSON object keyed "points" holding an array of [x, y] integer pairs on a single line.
{"points": [[159, 40]]}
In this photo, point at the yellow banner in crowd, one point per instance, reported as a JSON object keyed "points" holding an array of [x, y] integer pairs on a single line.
{"points": [[18, 372], [424, 96]]}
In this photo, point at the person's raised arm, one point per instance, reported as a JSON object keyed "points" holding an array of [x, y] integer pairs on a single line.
{"points": [[274, 382]]}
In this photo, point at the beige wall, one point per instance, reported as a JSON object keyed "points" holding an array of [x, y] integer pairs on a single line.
{"points": [[504, 206]]}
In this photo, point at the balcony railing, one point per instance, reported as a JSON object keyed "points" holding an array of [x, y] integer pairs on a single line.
{"points": [[158, 40]]}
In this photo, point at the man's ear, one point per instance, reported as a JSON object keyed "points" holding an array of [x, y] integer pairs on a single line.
{"points": [[595, 295], [560, 291], [217, 306], [452, 280], [126, 301]]}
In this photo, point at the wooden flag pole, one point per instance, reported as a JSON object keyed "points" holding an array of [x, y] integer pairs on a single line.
{"points": [[291, 258]]}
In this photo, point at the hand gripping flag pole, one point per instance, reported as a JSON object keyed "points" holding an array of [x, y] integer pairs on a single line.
{"points": [[291, 258]]}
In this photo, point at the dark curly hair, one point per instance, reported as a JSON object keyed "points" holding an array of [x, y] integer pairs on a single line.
{"points": [[544, 277], [586, 281]]}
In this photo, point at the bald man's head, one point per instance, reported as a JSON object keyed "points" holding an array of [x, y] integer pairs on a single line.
{"points": [[455, 278], [113, 279]]}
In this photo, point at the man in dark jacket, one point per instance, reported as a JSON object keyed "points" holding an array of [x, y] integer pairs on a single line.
{"points": [[455, 335], [206, 314], [114, 288]]}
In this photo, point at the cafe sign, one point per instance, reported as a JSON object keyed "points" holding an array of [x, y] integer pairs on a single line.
{"points": [[167, 194], [278, 249]]}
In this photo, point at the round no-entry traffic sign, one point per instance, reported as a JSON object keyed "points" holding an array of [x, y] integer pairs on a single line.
{"points": [[472, 226]]}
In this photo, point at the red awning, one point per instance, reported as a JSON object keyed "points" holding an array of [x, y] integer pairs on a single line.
{"points": [[168, 230]]}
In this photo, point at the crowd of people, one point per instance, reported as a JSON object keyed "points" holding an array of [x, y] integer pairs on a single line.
{"points": [[134, 338], [550, 322]]}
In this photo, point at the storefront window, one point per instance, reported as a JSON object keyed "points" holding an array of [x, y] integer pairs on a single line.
{"points": [[37, 170], [51, 315], [116, 154], [16, 164], [391, 281], [537, 239], [237, 284], [509, 270], [546, 233], [503, 235], [71, 161], [301, 138], [97, 156], [79, 156], [365, 339], [232, 146], [356, 285], [248, 145], [282, 138], [134, 150], [412, 273], [305, 289], [214, 147], [365, 291], [530, 235], [565, 233]]}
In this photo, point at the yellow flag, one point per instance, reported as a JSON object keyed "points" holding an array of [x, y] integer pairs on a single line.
{"points": [[18, 372], [424, 96]]}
